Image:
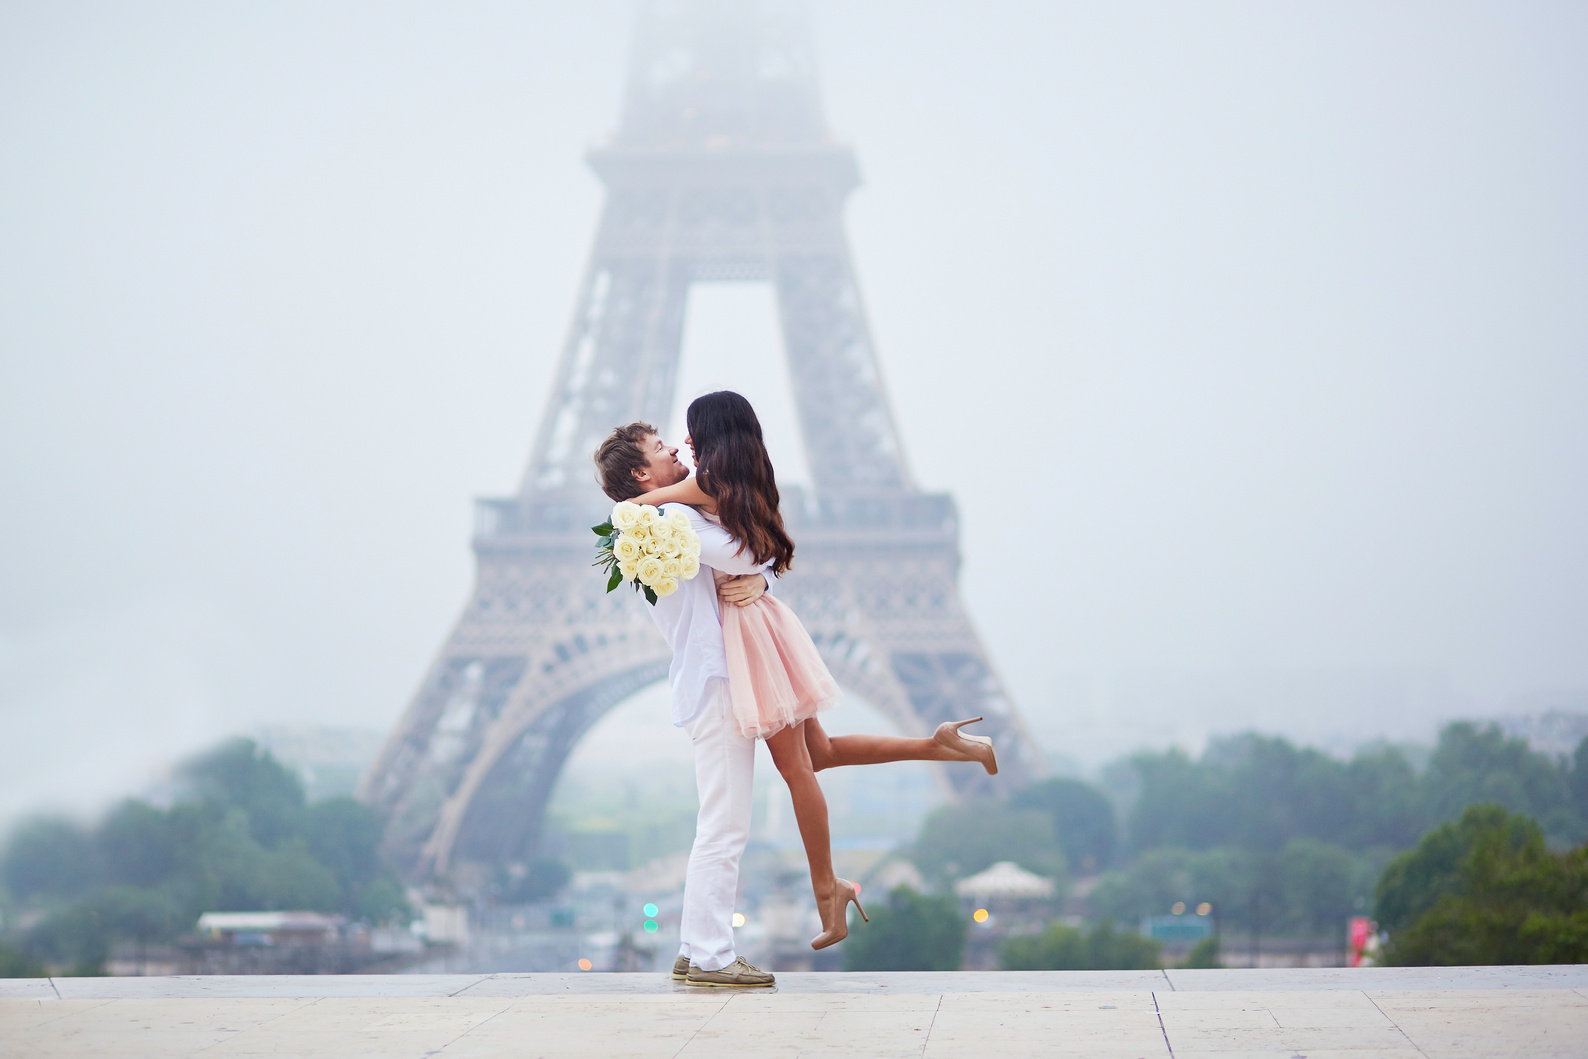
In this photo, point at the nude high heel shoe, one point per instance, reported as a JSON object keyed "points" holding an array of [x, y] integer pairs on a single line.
{"points": [[974, 747], [835, 918]]}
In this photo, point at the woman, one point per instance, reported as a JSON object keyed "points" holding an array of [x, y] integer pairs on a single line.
{"points": [[777, 682]]}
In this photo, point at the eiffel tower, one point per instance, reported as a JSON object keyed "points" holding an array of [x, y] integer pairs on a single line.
{"points": [[722, 170]]}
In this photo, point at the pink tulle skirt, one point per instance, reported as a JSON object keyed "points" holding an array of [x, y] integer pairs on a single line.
{"points": [[775, 676]]}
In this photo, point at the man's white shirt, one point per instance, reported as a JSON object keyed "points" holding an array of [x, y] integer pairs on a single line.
{"points": [[690, 618]]}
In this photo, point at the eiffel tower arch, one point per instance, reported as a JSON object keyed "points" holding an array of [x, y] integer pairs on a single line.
{"points": [[722, 170]]}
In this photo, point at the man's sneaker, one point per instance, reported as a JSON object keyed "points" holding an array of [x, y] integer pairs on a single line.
{"points": [[681, 968], [738, 973]]}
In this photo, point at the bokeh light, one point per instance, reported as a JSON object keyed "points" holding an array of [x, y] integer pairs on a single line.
{"points": [[1179, 908], [738, 919], [650, 910], [584, 965], [980, 915], [1204, 908], [650, 926]]}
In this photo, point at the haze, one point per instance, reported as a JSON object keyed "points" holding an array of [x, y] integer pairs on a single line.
{"points": [[1250, 339]]}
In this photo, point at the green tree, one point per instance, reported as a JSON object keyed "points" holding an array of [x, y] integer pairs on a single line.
{"points": [[137, 845], [1258, 793], [1309, 887], [1577, 780], [1416, 880], [241, 838], [1083, 820], [49, 857], [1481, 765], [79, 935], [241, 775], [1282, 791], [14, 963], [1066, 948], [1204, 954], [962, 839], [287, 877], [1255, 792], [74, 936], [1487, 890], [135, 913], [1181, 803], [1230, 879], [1319, 885], [912, 932], [1149, 886], [344, 836], [384, 901], [1382, 800]]}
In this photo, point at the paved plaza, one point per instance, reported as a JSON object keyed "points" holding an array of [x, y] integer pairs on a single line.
{"points": [[1316, 1013]]}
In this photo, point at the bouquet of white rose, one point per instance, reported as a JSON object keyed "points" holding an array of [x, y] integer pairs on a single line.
{"points": [[655, 552]]}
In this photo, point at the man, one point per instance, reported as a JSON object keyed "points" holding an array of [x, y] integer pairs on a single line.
{"points": [[635, 460]]}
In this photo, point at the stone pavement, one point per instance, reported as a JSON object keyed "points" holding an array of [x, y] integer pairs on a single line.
{"points": [[1316, 1013]]}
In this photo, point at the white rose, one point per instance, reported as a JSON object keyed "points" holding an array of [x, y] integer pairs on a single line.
{"points": [[649, 516], [652, 546], [673, 568], [691, 542], [625, 515], [627, 549], [639, 531], [665, 587], [672, 548], [629, 570], [650, 570], [679, 520], [688, 566]]}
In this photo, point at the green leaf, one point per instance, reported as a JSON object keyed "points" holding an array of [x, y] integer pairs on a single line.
{"points": [[650, 597], [602, 530], [615, 580]]}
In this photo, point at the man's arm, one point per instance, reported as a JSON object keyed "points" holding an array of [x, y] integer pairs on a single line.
{"points": [[746, 589], [719, 550]]}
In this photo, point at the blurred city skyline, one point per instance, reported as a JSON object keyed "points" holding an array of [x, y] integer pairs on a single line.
{"points": [[1250, 342]]}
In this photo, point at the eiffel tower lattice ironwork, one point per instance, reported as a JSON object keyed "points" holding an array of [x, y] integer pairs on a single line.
{"points": [[722, 170]]}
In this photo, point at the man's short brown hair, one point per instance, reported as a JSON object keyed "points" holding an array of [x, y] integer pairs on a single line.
{"points": [[620, 455]]}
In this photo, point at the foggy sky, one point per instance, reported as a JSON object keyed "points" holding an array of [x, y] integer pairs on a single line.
{"points": [[1251, 339]]}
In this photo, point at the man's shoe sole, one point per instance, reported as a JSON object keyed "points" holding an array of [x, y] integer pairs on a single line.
{"points": [[732, 985]]}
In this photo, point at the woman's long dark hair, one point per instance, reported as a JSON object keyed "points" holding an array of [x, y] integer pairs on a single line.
{"points": [[734, 469]]}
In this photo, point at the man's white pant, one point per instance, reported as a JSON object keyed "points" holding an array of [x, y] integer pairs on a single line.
{"points": [[724, 768]]}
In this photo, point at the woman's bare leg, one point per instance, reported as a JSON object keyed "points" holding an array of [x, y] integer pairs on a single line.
{"points": [[829, 751], [793, 761]]}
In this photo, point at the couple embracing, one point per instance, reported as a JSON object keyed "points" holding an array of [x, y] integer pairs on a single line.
{"points": [[744, 669]]}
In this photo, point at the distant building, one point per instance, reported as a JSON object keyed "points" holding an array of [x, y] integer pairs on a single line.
{"points": [[1006, 881], [1004, 899], [270, 928], [1553, 732], [289, 943]]}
